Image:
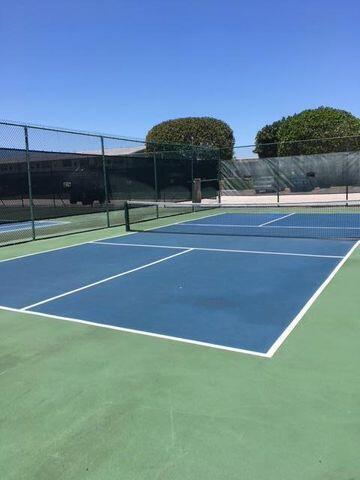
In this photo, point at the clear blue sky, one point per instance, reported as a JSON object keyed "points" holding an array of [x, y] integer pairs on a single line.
{"points": [[121, 66]]}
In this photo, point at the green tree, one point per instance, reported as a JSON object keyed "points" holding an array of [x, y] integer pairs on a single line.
{"points": [[267, 139], [206, 133], [320, 130]]}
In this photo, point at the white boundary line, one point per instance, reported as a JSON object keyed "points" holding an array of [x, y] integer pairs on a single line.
{"points": [[277, 219], [308, 304], [53, 222], [115, 244], [257, 252], [94, 284], [140, 332], [221, 225]]}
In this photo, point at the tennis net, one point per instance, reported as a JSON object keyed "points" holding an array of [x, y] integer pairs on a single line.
{"points": [[335, 220]]}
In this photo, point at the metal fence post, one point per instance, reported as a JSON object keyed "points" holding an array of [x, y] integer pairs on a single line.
{"points": [[31, 205], [277, 175], [347, 171], [193, 154], [156, 179], [105, 182], [347, 178], [219, 173], [163, 197]]}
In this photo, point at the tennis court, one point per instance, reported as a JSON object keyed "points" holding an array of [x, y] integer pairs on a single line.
{"points": [[203, 279], [107, 367], [27, 226]]}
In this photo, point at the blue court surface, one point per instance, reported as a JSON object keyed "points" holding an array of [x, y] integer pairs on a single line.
{"points": [[232, 292], [15, 227]]}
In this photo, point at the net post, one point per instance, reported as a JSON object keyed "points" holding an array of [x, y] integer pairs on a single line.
{"points": [[105, 181], [127, 217], [31, 204]]}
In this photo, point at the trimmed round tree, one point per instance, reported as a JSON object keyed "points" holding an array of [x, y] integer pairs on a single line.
{"points": [[199, 131], [266, 140], [320, 130]]}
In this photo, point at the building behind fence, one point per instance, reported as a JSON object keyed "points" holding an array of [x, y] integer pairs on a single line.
{"points": [[54, 181]]}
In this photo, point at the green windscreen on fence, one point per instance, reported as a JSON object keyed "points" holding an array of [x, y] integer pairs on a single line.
{"points": [[328, 174]]}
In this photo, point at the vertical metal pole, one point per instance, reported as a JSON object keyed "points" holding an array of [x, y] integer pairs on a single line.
{"points": [[52, 184], [127, 218], [277, 181], [105, 182], [192, 178], [166, 180], [192, 168], [155, 179], [31, 205], [219, 178], [347, 176]]}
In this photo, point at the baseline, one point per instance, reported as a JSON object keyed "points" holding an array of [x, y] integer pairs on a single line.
{"points": [[139, 332]]}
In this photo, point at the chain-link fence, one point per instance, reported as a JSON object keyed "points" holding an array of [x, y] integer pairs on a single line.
{"points": [[315, 170], [54, 182]]}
